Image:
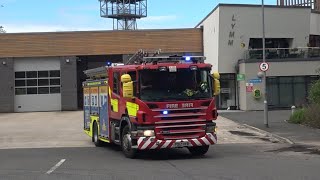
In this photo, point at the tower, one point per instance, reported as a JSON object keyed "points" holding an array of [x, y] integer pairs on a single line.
{"points": [[123, 12]]}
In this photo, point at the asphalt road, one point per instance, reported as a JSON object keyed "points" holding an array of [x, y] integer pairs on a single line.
{"points": [[224, 161]]}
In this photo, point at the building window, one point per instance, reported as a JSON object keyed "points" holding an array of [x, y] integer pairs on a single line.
{"points": [[227, 97], [314, 41], [37, 82], [133, 75], [288, 91]]}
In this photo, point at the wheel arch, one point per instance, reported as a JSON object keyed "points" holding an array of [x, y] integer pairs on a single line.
{"points": [[125, 120]]}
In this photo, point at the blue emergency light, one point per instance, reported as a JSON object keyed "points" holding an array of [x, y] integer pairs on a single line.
{"points": [[188, 58], [109, 63], [165, 112]]}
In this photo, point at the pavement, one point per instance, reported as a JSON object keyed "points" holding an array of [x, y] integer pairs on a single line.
{"points": [[298, 134], [52, 145]]}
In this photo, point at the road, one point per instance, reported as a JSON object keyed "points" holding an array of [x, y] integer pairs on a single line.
{"points": [[233, 161], [241, 155]]}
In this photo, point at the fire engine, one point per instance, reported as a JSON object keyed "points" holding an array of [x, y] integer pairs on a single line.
{"points": [[153, 103]]}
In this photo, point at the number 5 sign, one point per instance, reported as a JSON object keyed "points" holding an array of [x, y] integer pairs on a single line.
{"points": [[264, 67]]}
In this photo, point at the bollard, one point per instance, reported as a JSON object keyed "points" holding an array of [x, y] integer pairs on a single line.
{"points": [[293, 109]]}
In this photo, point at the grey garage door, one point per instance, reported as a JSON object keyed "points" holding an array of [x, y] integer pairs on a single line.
{"points": [[37, 84]]}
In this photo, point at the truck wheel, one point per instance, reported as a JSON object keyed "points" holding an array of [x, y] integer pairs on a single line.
{"points": [[198, 150], [95, 136], [126, 143]]}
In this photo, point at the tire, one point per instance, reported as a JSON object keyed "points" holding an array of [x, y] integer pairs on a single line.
{"points": [[95, 136], [199, 150], [126, 143]]}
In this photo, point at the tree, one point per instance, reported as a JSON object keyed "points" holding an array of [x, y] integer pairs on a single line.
{"points": [[2, 30], [1, 27]]}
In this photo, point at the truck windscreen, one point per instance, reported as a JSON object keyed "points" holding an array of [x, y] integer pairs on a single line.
{"points": [[185, 84]]}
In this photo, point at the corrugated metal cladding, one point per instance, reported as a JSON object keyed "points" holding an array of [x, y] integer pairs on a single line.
{"points": [[99, 42]]}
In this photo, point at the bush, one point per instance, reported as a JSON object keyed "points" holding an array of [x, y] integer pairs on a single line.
{"points": [[314, 94], [312, 116], [298, 117]]}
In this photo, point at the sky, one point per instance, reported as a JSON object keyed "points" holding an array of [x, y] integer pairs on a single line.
{"points": [[84, 15]]}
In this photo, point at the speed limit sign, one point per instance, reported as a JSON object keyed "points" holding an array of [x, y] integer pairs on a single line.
{"points": [[264, 66]]}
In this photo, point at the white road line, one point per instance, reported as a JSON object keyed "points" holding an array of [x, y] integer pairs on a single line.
{"points": [[56, 166]]}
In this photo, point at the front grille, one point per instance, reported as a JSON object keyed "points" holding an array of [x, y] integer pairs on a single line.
{"points": [[181, 124]]}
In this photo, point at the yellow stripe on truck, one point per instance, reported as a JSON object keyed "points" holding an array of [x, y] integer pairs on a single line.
{"points": [[132, 108], [115, 105]]}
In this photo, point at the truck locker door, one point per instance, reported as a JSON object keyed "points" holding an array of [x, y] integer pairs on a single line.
{"points": [[94, 100], [86, 107], [103, 116]]}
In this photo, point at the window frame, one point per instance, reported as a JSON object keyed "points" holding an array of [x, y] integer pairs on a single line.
{"points": [[116, 83], [23, 90]]}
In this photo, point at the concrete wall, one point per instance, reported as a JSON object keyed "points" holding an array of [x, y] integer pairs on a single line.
{"points": [[287, 68], [315, 24], [211, 38], [240, 23], [6, 85], [69, 84], [247, 101]]}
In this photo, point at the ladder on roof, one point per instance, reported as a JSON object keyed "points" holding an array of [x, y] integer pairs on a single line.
{"points": [[139, 56], [97, 73]]}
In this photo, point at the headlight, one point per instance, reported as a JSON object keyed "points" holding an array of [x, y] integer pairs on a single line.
{"points": [[211, 129], [148, 133]]}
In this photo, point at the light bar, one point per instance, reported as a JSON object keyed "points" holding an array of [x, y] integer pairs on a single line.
{"points": [[174, 58]]}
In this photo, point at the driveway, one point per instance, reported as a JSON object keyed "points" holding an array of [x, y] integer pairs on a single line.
{"points": [[64, 129], [43, 129]]}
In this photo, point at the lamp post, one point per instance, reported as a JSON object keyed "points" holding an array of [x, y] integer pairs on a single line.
{"points": [[266, 123]]}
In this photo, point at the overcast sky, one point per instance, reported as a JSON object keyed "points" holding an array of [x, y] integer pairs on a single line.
{"points": [[79, 15]]}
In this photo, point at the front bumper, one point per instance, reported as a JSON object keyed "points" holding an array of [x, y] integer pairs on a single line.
{"points": [[146, 143]]}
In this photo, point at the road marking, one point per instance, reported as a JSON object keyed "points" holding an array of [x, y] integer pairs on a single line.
{"points": [[56, 166]]}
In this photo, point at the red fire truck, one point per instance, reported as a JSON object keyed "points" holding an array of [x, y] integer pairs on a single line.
{"points": [[155, 103]]}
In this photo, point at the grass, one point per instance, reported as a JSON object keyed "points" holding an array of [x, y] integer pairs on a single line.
{"points": [[298, 117]]}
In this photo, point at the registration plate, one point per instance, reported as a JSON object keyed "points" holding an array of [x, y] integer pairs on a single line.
{"points": [[181, 144]]}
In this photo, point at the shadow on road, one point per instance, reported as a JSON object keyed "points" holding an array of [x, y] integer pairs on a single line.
{"points": [[162, 154]]}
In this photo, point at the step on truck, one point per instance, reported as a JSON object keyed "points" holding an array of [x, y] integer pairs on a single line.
{"points": [[155, 103]]}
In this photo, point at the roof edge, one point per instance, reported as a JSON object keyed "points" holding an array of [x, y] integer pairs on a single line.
{"points": [[250, 5], [93, 31]]}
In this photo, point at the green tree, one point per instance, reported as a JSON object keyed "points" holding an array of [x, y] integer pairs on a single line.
{"points": [[314, 94], [2, 30]]}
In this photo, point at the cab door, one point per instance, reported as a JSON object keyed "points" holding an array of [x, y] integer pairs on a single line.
{"points": [[115, 96]]}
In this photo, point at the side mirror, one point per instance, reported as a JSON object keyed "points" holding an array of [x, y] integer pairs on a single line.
{"points": [[216, 83], [216, 75], [217, 87], [127, 86]]}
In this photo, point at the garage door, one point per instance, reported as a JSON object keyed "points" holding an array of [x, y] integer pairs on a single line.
{"points": [[37, 84]]}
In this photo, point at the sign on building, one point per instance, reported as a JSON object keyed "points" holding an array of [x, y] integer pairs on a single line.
{"points": [[240, 77]]}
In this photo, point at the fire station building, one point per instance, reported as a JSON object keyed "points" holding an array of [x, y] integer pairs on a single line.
{"points": [[44, 71]]}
